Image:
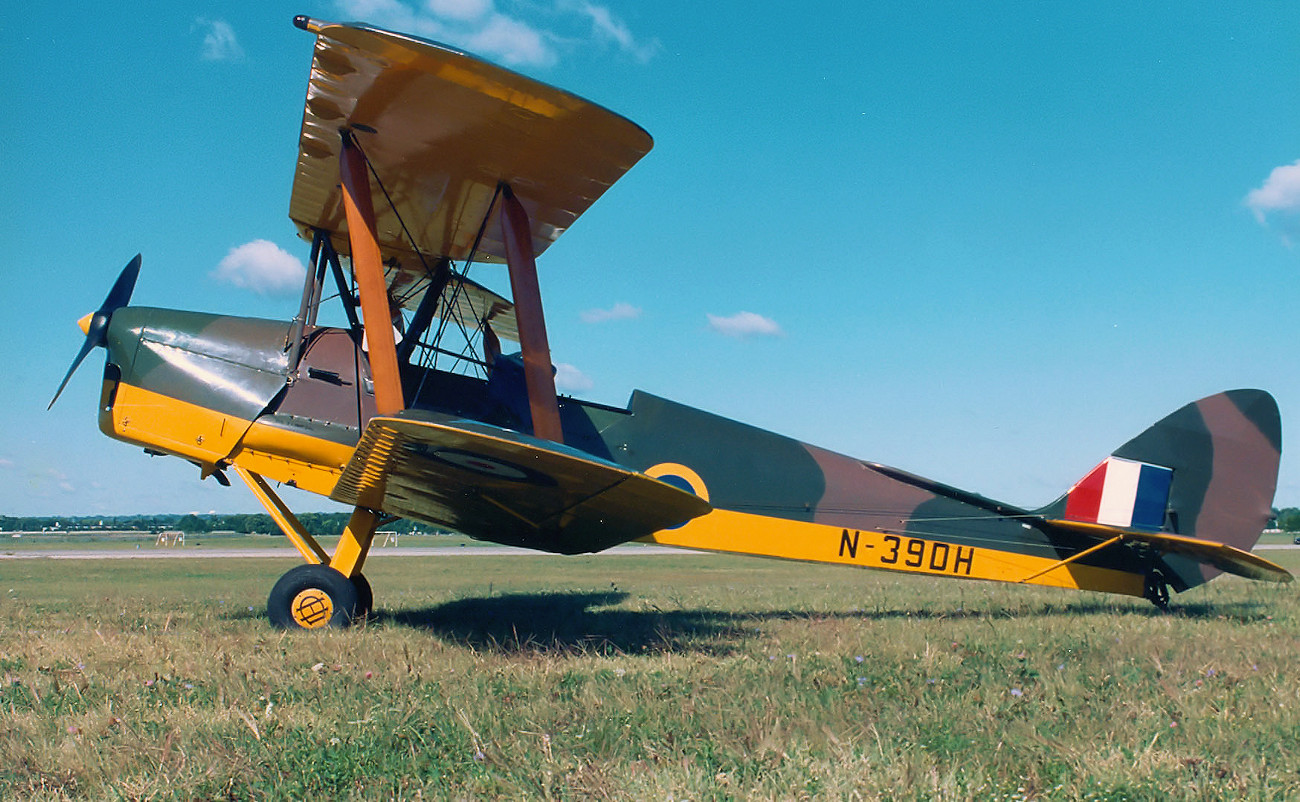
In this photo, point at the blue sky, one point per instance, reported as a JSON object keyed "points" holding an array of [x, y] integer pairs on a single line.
{"points": [[987, 243]]}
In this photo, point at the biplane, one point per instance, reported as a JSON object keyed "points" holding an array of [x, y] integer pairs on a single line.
{"points": [[418, 162]]}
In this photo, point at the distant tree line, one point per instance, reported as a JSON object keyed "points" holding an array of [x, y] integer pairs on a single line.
{"points": [[319, 524], [1288, 519]]}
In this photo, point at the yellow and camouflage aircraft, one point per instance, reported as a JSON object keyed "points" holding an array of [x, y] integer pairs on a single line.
{"points": [[417, 161]]}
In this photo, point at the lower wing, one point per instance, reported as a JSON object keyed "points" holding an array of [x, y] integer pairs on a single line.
{"points": [[501, 485]]}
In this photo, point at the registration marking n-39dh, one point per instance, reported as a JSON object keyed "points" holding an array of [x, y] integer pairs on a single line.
{"points": [[910, 552]]}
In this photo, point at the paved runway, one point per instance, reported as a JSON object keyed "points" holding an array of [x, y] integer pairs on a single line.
{"points": [[198, 552]]}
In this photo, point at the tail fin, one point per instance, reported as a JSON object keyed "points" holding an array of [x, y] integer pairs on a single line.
{"points": [[1207, 471]]}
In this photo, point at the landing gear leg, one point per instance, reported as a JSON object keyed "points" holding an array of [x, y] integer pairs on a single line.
{"points": [[350, 556], [334, 595], [1156, 590], [328, 591]]}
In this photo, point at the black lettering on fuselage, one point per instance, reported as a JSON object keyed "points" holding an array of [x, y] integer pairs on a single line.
{"points": [[939, 557], [915, 553], [892, 556], [969, 555], [851, 545]]}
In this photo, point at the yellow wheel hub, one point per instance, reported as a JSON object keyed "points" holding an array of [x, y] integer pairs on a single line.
{"points": [[312, 609]]}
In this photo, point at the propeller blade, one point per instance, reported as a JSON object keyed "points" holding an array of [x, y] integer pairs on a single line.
{"points": [[120, 295], [86, 348], [97, 333]]}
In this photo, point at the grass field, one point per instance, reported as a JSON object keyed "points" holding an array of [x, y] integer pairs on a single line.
{"points": [[640, 677]]}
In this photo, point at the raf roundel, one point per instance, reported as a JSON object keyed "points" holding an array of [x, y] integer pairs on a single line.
{"points": [[478, 463], [679, 476]]}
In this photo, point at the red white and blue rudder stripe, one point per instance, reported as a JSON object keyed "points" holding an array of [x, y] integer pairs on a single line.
{"points": [[1121, 492]]}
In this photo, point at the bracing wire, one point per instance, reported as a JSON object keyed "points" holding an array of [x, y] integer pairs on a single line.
{"points": [[449, 303]]}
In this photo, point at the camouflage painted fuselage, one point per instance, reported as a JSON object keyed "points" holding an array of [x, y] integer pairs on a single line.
{"points": [[220, 391]]}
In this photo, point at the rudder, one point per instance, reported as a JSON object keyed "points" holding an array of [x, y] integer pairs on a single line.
{"points": [[1213, 463]]}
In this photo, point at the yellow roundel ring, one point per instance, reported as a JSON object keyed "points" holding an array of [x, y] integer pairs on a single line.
{"points": [[679, 476], [312, 608]]}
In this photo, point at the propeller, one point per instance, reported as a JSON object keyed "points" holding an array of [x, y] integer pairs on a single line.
{"points": [[97, 328]]}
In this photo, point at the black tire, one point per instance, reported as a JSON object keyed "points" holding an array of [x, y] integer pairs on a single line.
{"points": [[365, 597], [312, 597]]}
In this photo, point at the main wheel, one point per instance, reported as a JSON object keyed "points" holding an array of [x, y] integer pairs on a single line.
{"points": [[365, 596], [311, 597]]}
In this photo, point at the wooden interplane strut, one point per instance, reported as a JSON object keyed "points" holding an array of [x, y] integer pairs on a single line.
{"points": [[538, 373], [368, 268]]}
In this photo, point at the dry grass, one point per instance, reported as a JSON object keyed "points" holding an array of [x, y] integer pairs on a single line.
{"points": [[639, 677]]}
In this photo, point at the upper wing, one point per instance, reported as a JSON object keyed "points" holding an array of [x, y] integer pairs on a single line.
{"points": [[501, 485], [442, 130]]}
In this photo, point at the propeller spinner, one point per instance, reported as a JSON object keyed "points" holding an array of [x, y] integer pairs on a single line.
{"points": [[97, 328]]}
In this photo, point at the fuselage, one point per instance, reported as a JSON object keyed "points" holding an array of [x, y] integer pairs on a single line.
{"points": [[220, 391]]}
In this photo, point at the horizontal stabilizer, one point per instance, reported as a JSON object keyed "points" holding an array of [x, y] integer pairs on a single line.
{"points": [[500, 485], [1229, 559]]}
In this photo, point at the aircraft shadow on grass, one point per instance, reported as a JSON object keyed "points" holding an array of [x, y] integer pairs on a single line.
{"points": [[572, 621], [592, 621]]}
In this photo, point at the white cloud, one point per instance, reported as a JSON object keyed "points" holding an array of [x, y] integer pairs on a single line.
{"points": [[387, 14], [40, 481], [5, 462], [619, 311], [1281, 192], [219, 41], [471, 24], [466, 10], [529, 35], [263, 267], [571, 380], [511, 40], [745, 324], [1276, 203], [606, 26]]}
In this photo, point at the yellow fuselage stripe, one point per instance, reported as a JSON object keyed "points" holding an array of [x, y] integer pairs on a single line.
{"points": [[744, 533], [161, 422], [309, 463], [188, 430]]}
